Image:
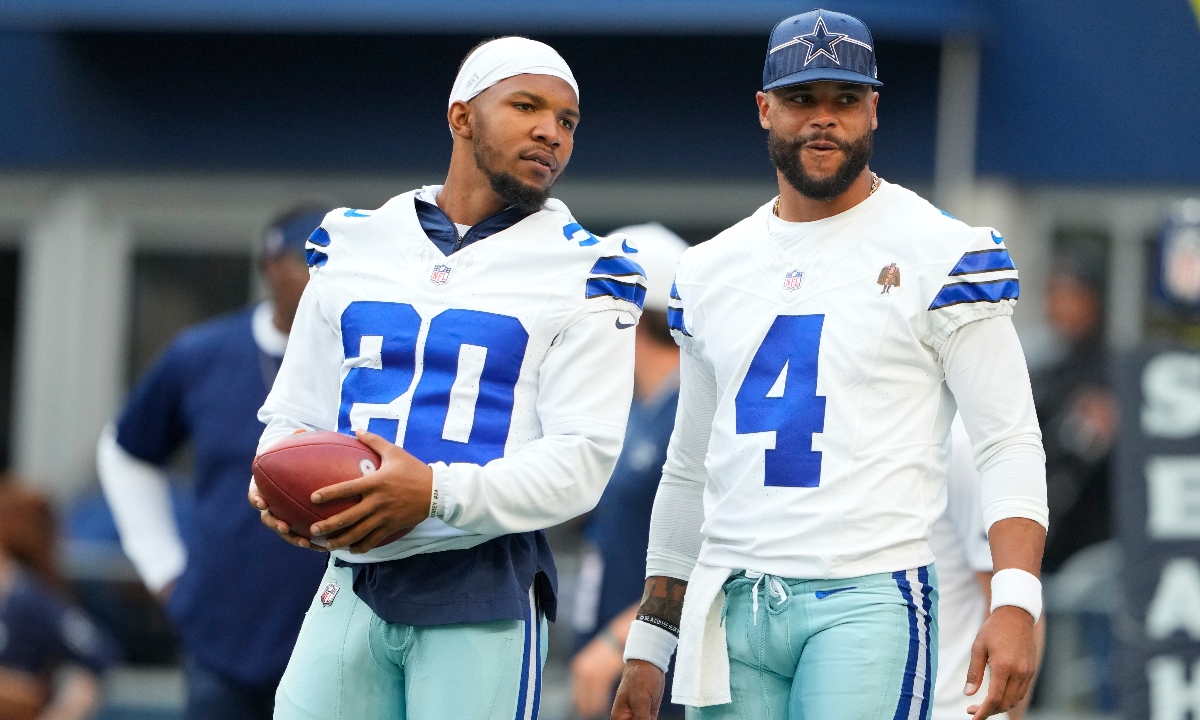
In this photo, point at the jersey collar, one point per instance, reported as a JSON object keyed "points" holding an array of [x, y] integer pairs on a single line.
{"points": [[442, 232]]}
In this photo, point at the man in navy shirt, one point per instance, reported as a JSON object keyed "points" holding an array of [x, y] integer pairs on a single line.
{"points": [[613, 571], [236, 596]]}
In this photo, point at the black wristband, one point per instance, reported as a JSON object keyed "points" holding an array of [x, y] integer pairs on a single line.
{"points": [[659, 622]]}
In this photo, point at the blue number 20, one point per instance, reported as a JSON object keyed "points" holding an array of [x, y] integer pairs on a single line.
{"points": [[792, 407], [500, 339]]}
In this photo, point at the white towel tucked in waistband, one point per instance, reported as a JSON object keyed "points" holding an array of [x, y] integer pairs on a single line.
{"points": [[702, 661]]}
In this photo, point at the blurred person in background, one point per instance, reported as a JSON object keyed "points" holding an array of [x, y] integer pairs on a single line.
{"points": [[613, 571], [236, 596], [1078, 414], [964, 563], [1076, 408], [51, 655]]}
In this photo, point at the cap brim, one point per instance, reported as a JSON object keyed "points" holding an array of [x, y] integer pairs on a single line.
{"points": [[818, 74]]}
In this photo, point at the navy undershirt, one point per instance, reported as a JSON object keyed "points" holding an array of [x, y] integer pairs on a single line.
{"points": [[490, 581]]}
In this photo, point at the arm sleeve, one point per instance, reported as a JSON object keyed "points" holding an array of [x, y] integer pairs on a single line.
{"points": [[675, 536], [585, 387], [139, 496], [963, 504], [307, 389], [985, 370]]}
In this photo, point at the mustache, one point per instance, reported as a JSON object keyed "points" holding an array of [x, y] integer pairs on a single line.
{"points": [[824, 136]]}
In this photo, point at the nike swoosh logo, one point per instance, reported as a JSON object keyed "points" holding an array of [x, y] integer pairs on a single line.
{"points": [[997, 238], [627, 247], [822, 594], [622, 326], [354, 213]]}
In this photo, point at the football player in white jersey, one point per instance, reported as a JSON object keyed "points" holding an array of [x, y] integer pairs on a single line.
{"points": [[828, 341], [478, 338], [964, 568]]}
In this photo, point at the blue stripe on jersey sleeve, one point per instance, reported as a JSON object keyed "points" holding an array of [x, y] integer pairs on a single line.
{"points": [[981, 261], [320, 236], [959, 293], [675, 321], [617, 265], [598, 287], [316, 258]]}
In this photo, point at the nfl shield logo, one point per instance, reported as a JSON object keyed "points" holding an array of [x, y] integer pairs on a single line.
{"points": [[441, 273], [329, 593], [792, 280]]}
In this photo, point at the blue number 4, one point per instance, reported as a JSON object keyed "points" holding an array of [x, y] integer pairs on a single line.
{"points": [[780, 394]]}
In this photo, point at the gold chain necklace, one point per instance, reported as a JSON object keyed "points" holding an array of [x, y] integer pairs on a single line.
{"points": [[874, 187]]}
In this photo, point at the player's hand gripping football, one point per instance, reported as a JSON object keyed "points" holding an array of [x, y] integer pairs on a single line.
{"points": [[280, 527], [395, 497]]}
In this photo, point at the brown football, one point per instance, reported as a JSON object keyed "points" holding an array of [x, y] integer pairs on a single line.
{"points": [[290, 471]]}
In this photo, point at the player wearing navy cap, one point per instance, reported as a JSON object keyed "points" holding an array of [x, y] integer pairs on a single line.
{"points": [[480, 340], [826, 343], [235, 595]]}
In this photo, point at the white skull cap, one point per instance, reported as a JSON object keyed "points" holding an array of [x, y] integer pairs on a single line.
{"points": [[658, 252], [506, 57]]}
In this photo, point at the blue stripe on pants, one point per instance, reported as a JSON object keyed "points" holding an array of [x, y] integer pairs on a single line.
{"points": [[522, 694], [910, 667], [537, 657], [926, 606], [920, 642]]}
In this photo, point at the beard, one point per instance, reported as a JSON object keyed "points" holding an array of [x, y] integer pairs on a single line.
{"points": [[514, 193], [785, 156]]}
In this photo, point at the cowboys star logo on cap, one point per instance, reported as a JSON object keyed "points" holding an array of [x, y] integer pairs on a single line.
{"points": [[821, 42], [820, 45]]}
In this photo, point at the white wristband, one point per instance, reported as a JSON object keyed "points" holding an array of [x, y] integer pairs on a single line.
{"points": [[650, 643], [1018, 588]]}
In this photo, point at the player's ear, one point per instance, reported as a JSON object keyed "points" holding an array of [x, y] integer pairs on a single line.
{"points": [[764, 107], [459, 117], [874, 110]]}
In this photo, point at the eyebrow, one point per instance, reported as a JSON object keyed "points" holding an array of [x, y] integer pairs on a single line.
{"points": [[539, 100]]}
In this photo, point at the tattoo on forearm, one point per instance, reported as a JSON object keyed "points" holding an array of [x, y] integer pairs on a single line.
{"points": [[662, 602]]}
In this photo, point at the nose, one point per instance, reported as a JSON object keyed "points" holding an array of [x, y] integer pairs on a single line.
{"points": [[824, 118], [547, 130]]}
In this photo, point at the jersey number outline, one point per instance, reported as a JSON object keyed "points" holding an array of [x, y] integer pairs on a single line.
{"points": [[779, 393], [498, 344]]}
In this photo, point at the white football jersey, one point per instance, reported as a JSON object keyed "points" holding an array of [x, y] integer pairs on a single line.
{"points": [[506, 365], [827, 452]]}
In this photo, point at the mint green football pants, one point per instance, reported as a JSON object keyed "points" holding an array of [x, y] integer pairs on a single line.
{"points": [[861, 648], [348, 664]]}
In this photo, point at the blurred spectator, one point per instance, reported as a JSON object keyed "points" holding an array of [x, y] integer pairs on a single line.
{"points": [[236, 596], [51, 655], [1078, 415], [613, 569], [1076, 409]]}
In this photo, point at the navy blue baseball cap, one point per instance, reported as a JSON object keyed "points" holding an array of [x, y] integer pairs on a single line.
{"points": [[288, 232], [820, 45]]}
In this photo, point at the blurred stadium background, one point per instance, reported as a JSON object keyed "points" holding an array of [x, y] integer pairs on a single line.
{"points": [[143, 145]]}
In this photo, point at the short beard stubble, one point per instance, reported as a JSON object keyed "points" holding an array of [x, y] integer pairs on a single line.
{"points": [[785, 156], [512, 191]]}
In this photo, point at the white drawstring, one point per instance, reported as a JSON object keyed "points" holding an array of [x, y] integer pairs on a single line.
{"points": [[774, 587]]}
